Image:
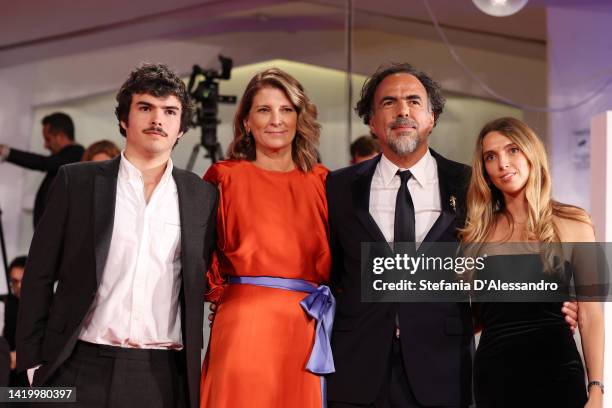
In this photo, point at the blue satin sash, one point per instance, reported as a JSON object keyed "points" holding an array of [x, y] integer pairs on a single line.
{"points": [[320, 305]]}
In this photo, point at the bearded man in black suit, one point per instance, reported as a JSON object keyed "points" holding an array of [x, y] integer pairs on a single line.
{"points": [[397, 354]]}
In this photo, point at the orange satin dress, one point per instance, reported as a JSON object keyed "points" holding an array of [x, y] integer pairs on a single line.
{"points": [[269, 224]]}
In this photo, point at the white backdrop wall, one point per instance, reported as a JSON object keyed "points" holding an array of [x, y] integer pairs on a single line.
{"points": [[580, 61]]}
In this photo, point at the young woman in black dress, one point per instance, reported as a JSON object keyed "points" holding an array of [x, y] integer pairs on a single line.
{"points": [[527, 356]]}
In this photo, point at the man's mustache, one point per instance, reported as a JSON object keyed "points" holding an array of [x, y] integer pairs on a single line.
{"points": [[157, 130], [404, 122]]}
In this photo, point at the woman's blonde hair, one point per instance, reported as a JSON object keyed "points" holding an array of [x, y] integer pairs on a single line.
{"points": [[306, 140], [485, 201]]}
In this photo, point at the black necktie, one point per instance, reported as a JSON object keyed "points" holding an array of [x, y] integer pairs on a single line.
{"points": [[403, 229]]}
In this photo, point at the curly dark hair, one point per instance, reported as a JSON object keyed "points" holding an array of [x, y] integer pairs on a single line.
{"points": [[157, 80], [434, 91]]}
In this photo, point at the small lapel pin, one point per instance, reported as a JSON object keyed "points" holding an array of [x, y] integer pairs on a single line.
{"points": [[453, 202]]}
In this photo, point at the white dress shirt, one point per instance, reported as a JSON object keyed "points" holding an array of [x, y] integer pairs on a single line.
{"points": [[137, 304], [423, 187]]}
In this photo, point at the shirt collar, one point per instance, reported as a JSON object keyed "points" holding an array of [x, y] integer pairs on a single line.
{"points": [[421, 171], [130, 172]]}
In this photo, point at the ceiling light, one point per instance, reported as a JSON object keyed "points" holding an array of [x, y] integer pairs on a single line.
{"points": [[500, 8]]}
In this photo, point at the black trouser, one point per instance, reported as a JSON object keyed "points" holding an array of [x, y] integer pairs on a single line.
{"points": [[115, 377], [395, 391]]}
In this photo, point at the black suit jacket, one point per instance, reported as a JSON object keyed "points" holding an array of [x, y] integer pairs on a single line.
{"points": [[436, 338], [71, 245], [50, 164], [11, 306]]}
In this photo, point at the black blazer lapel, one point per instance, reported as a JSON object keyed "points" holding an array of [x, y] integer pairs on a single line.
{"points": [[361, 199], [449, 193], [188, 210], [105, 197]]}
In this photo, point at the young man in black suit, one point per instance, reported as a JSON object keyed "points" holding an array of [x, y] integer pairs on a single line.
{"points": [[128, 241], [397, 354], [58, 134]]}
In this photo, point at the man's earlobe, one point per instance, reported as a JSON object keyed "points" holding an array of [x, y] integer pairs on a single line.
{"points": [[370, 126]]}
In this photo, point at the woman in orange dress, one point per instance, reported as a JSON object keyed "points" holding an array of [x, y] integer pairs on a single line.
{"points": [[269, 343]]}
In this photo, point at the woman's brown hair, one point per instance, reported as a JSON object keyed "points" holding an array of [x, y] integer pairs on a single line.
{"points": [[306, 140]]}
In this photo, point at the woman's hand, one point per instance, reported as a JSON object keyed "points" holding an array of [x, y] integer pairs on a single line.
{"points": [[211, 316], [595, 398]]}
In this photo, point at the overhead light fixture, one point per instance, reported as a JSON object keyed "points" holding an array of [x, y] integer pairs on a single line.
{"points": [[500, 8]]}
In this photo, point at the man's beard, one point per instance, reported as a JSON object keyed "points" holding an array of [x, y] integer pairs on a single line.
{"points": [[405, 142]]}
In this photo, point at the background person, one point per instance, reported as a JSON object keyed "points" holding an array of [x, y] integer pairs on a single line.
{"points": [[364, 148], [100, 151], [58, 134], [16, 269]]}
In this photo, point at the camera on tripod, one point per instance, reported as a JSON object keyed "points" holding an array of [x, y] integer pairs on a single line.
{"points": [[204, 89]]}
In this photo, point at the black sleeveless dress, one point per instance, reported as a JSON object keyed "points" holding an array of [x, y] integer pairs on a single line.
{"points": [[527, 356]]}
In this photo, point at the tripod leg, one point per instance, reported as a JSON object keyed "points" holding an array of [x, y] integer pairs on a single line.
{"points": [[3, 248], [218, 153], [193, 157]]}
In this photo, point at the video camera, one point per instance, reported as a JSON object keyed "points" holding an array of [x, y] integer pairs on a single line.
{"points": [[204, 89]]}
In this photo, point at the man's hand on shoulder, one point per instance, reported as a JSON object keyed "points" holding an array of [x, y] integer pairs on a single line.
{"points": [[4, 152], [211, 316], [570, 310]]}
